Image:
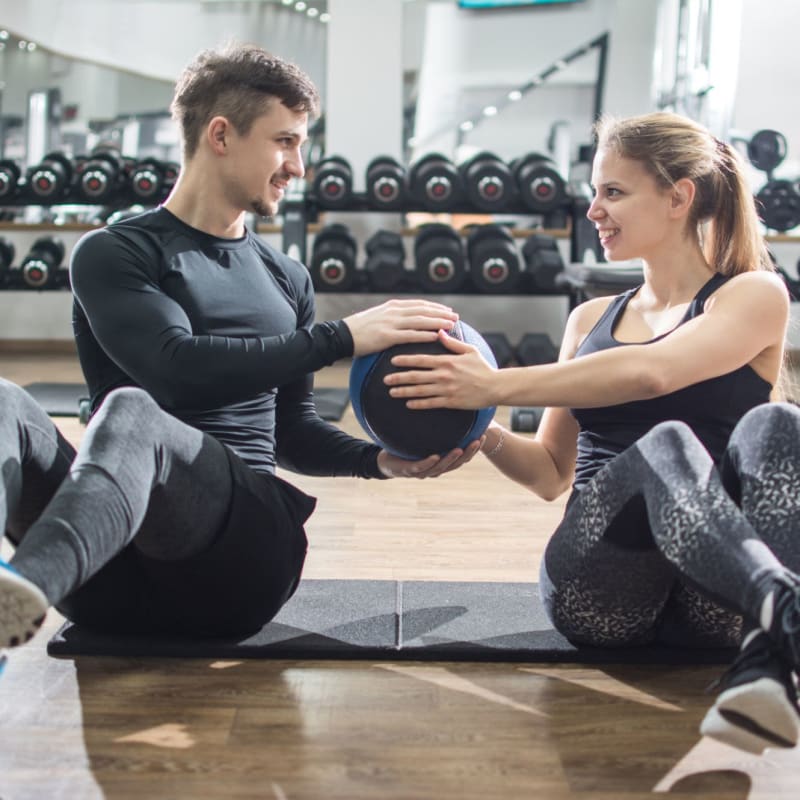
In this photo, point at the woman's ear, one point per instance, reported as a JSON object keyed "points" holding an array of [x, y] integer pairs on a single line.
{"points": [[682, 197]]}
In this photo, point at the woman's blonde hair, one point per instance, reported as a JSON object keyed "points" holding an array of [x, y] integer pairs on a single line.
{"points": [[672, 147]]}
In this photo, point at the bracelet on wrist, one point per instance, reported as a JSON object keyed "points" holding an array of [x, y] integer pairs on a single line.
{"points": [[498, 445]]}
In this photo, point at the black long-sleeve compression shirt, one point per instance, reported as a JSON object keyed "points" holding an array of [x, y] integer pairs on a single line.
{"points": [[220, 332]]}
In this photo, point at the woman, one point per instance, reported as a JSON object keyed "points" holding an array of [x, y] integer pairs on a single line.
{"points": [[683, 519]]}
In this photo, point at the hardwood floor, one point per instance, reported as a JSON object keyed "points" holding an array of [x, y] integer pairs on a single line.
{"points": [[172, 729]]}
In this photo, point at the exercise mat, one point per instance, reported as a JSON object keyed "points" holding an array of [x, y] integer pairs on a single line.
{"points": [[393, 620]]}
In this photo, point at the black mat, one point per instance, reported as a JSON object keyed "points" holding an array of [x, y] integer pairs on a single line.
{"points": [[58, 399], [422, 621], [63, 399]]}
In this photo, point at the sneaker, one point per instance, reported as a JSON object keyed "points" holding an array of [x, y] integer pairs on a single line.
{"points": [[757, 707], [22, 607], [785, 626]]}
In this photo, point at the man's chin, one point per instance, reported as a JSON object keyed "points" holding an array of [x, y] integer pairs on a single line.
{"points": [[264, 210]]}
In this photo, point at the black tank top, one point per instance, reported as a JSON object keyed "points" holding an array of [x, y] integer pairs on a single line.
{"points": [[711, 408]]}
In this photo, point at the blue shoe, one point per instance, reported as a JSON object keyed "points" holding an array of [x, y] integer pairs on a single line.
{"points": [[757, 707], [22, 607]]}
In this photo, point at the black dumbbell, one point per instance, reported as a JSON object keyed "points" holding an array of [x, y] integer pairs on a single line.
{"points": [[488, 182], [435, 183], [333, 259], [9, 179], [439, 258], [500, 347], [494, 264], [780, 205], [99, 177], [766, 150], [536, 348], [541, 188], [146, 181], [50, 180], [526, 419], [7, 253], [385, 264], [333, 182], [387, 184], [543, 264], [39, 267]]}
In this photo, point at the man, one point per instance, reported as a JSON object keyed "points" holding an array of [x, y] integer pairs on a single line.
{"points": [[198, 343]]}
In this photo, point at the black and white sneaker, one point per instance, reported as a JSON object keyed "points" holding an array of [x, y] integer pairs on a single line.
{"points": [[22, 607], [757, 707]]}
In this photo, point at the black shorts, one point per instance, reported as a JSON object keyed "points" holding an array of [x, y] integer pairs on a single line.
{"points": [[234, 587]]}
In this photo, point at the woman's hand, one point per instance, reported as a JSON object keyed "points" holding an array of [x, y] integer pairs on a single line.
{"points": [[397, 322], [461, 380], [431, 467]]}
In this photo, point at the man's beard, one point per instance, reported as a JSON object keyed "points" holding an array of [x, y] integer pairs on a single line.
{"points": [[260, 208]]}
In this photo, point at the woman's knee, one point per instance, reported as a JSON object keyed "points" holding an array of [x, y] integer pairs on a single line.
{"points": [[761, 425]]}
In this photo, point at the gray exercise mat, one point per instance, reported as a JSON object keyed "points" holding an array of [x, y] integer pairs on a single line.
{"points": [[393, 620]]}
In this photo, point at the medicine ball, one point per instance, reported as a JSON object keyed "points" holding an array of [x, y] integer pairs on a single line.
{"points": [[406, 432]]}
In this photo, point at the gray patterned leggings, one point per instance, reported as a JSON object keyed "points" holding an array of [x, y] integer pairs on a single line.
{"points": [[661, 545]]}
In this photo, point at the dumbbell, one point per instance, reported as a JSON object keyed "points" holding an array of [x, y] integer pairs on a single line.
{"points": [[387, 184], [333, 182], [543, 264], [541, 188], [39, 267], [500, 347], [333, 259], [536, 348], [766, 150], [435, 183], [439, 258], [50, 180], [494, 264], [780, 204], [146, 180], [488, 182], [7, 253], [385, 264], [9, 179], [526, 419], [100, 177]]}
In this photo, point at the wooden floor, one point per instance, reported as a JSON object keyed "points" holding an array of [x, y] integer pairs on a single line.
{"points": [[192, 729]]}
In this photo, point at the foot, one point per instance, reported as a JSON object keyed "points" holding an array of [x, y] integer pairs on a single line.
{"points": [[757, 707], [22, 607], [783, 623]]}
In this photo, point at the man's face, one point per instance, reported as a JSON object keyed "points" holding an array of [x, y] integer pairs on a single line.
{"points": [[266, 158]]}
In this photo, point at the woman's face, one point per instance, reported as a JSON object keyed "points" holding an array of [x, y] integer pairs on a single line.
{"points": [[630, 211]]}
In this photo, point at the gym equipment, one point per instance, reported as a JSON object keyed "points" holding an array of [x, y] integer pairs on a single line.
{"points": [[385, 264], [147, 180], [780, 204], [51, 180], [38, 268], [488, 182], [347, 619], [398, 429], [494, 264], [387, 185], [9, 179], [766, 150], [536, 348], [333, 182], [439, 258], [435, 183], [100, 177], [585, 281], [543, 264], [501, 348], [526, 419], [333, 259], [541, 187], [7, 253]]}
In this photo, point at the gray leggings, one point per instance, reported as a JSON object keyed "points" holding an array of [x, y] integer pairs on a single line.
{"points": [[144, 503], [662, 546]]}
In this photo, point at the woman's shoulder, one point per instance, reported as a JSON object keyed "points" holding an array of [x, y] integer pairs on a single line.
{"points": [[755, 286]]}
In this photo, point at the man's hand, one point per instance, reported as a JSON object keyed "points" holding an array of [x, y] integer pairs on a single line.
{"points": [[430, 467], [396, 322]]}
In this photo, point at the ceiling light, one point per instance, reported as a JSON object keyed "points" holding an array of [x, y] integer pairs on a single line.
{"points": [[514, 95], [467, 125], [312, 12], [489, 111], [324, 17], [300, 6]]}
